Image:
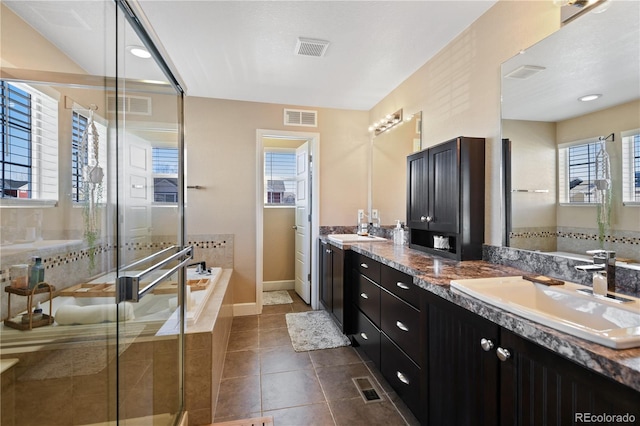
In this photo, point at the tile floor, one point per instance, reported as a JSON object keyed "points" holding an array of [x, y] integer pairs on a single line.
{"points": [[264, 376]]}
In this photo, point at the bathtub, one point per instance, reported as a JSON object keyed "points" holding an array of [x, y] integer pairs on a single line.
{"points": [[154, 312]]}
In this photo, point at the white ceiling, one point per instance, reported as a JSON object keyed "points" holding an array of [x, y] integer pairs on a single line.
{"points": [[244, 50], [598, 53]]}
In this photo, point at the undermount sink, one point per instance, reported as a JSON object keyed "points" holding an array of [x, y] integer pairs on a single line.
{"points": [[354, 238], [561, 307]]}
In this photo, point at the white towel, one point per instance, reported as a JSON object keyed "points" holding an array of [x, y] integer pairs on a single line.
{"points": [[92, 314]]}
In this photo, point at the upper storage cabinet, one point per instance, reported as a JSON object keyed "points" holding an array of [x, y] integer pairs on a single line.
{"points": [[445, 198]]}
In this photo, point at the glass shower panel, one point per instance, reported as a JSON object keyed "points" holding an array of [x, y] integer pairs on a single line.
{"points": [[149, 232], [81, 123]]}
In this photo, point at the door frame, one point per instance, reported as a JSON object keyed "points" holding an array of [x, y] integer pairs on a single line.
{"points": [[314, 149]]}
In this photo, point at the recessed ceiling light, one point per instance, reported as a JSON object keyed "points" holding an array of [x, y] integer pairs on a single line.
{"points": [[588, 98], [139, 51]]}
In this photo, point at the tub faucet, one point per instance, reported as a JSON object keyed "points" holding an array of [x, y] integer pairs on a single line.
{"points": [[605, 262]]}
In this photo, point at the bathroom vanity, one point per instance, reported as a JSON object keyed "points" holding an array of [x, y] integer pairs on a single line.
{"points": [[454, 359]]}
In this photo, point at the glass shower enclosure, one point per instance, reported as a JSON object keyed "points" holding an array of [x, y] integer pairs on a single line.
{"points": [[92, 185]]}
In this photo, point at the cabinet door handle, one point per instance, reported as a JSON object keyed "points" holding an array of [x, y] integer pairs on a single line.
{"points": [[401, 326], [426, 219], [364, 295], [402, 378], [364, 265], [328, 251], [364, 336], [402, 285], [503, 354], [486, 344]]}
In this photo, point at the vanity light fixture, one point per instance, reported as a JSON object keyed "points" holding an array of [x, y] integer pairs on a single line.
{"points": [[588, 98], [386, 123], [139, 51]]}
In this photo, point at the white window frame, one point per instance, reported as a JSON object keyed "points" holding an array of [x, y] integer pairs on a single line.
{"points": [[266, 180], [563, 173], [44, 151], [628, 168]]}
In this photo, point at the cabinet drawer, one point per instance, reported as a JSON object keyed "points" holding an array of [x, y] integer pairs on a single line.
{"points": [[401, 322], [367, 335], [366, 296], [367, 267], [402, 374], [401, 285]]}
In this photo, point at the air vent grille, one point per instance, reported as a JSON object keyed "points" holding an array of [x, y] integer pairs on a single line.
{"points": [[311, 47], [524, 72], [299, 117], [137, 105]]}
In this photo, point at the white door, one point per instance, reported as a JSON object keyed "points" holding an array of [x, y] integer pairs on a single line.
{"points": [[302, 226]]}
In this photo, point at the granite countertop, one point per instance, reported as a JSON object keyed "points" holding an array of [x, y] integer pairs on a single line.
{"points": [[434, 274]]}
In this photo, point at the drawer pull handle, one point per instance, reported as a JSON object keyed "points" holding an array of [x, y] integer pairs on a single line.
{"points": [[364, 336], [364, 295], [402, 285], [401, 326], [364, 265], [402, 378]]}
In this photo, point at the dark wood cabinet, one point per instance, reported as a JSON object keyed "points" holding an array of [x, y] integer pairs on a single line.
{"points": [[463, 378], [539, 387], [445, 198], [332, 271], [469, 384]]}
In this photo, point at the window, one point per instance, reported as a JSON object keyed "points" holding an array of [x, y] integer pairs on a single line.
{"points": [[577, 163], [631, 166], [29, 121], [279, 177], [84, 154], [165, 175]]}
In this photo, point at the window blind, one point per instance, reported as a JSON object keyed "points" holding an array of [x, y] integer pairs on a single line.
{"points": [[29, 143], [279, 177], [631, 166]]}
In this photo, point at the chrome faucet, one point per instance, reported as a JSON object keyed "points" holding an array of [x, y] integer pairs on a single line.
{"points": [[604, 261]]}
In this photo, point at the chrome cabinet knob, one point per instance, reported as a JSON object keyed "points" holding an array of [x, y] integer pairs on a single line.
{"points": [[364, 336], [328, 251], [486, 344], [402, 285], [426, 219], [364, 265], [401, 326], [364, 295], [402, 378], [503, 354]]}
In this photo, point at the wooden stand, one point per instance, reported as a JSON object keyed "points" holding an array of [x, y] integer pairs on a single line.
{"points": [[29, 293]]}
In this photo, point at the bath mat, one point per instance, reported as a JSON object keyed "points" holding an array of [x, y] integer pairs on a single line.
{"points": [[278, 297], [314, 330]]}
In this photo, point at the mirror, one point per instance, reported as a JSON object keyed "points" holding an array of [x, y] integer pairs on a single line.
{"points": [[595, 54], [389, 153]]}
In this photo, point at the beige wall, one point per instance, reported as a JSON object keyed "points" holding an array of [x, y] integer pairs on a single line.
{"points": [[533, 165], [458, 90], [220, 136], [279, 244]]}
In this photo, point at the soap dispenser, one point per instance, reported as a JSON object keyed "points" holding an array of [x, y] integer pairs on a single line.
{"points": [[398, 234]]}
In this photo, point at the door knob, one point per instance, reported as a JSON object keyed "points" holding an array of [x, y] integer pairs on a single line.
{"points": [[294, 227]]}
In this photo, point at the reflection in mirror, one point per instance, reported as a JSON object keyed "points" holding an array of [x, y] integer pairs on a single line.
{"points": [[545, 122], [389, 171]]}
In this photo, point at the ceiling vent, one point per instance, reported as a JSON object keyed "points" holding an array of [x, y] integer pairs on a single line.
{"points": [[311, 47], [299, 117], [524, 72], [137, 105]]}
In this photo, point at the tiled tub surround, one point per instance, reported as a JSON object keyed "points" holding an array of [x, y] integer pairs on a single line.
{"points": [[626, 244], [434, 275], [67, 263]]}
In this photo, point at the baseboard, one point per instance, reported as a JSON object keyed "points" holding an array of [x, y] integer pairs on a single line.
{"points": [[278, 285], [244, 309]]}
